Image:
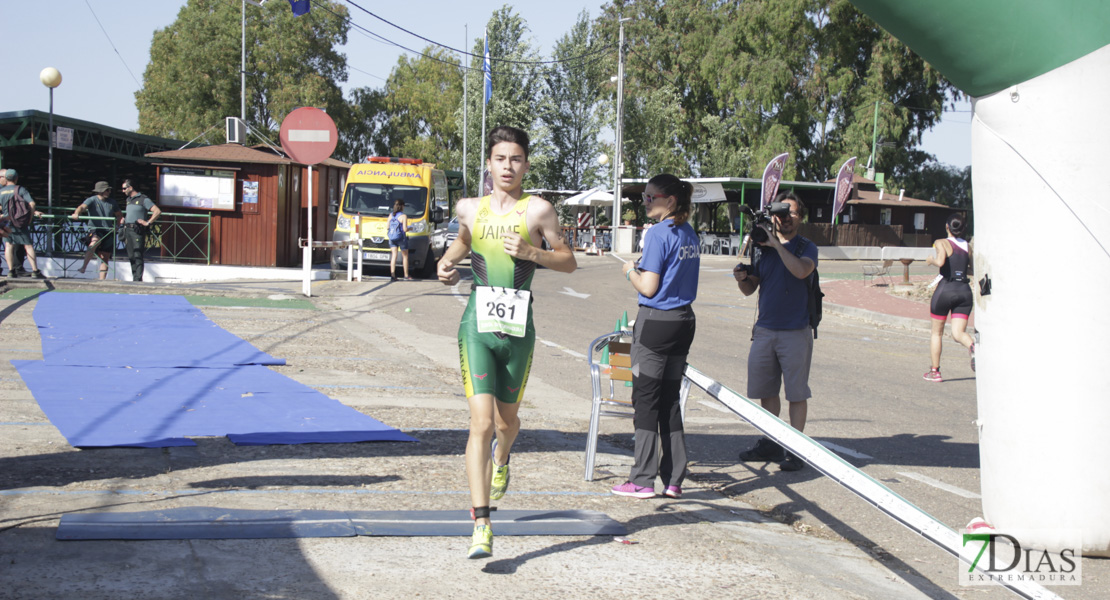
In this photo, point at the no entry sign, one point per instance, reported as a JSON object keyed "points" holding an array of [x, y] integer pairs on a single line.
{"points": [[308, 135]]}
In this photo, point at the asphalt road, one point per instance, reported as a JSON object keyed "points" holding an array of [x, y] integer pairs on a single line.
{"points": [[742, 530], [870, 405]]}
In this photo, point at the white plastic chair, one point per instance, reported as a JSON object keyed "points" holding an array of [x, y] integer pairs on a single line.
{"points": [[620, 364]]}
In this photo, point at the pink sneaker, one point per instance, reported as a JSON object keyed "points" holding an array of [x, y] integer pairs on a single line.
{"points": [[933, 375], [633, 491], [673, 491]]}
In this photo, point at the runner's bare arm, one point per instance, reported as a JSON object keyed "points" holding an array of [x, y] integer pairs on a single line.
{"points": [[460, 248], [941, 254], [544, 222]]}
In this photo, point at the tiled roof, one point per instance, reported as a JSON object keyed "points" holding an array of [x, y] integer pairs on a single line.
{"points": [[235, 153], [866, 197]]}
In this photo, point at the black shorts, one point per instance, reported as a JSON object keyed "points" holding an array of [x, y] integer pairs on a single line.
{"points": [[106, 240], [952, 297]]}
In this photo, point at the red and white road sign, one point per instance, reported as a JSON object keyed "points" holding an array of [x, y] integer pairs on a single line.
{"points": [[585, 219], [308, 135]]}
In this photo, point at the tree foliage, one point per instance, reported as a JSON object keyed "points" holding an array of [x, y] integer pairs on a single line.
{"points": [[756, 78], [193, 82], [419, 102], [573, 111], [516, 90], [940, 183]]}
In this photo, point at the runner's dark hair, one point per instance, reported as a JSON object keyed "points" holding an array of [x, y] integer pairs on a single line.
{"points": [[956, 224], [681, 190], [504, 133]]}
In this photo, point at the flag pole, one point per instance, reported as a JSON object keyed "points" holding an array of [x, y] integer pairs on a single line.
{"points": [[466, 78], [487, 80]]}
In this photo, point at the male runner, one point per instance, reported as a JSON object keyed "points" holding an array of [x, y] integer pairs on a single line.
{"points": [[502, 232]]}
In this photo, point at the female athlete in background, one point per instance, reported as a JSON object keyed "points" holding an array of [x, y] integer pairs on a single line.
{"points": [[953, 293]]}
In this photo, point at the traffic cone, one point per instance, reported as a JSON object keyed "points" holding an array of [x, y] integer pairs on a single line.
{"points": [[605, 360]]}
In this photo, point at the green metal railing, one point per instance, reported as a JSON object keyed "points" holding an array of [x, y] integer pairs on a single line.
{"points": [[174, 237]]}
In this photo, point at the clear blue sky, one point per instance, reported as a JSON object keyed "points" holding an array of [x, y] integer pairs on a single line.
{"points": [[97, 86]]}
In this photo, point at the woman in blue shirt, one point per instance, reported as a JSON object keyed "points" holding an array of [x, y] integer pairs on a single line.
{"points": [[397, 232], [666, 278]]}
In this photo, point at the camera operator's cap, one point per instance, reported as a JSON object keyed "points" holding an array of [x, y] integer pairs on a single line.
{"points": [[101, 187], [11, 174]]}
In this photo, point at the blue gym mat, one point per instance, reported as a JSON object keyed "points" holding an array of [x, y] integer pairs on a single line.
{"points": [[155, 407], [123, 330], [148, 395]]}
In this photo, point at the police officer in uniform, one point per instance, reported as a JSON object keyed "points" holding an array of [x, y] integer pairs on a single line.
{"points": [[135, 224]]}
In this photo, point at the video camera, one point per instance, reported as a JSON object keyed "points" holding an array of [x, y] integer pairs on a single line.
{"points": [[775, 209], [756, 233]]}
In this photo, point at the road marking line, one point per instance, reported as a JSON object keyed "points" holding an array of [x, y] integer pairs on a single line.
{"points": [[455, 290], [573, 353], [715, 407], [939, 484], [571, 292], [843, 450]]}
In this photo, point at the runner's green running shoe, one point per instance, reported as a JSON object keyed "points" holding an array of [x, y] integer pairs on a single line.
{"points": [[500, 481], [481, 544]]}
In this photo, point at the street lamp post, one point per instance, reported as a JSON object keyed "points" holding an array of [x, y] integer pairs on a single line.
{"points": [[51, 78], [618, 162]]}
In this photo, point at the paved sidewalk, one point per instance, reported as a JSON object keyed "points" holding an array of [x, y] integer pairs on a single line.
{"points": [[874, 302]]}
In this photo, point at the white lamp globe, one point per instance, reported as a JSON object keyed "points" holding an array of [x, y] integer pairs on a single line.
{"points": [[603, 159], [50, 77]]}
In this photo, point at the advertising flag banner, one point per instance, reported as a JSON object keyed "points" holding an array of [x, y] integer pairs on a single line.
{"points": [[300, 7], [486, 74], [772, 175], [843, 185]]}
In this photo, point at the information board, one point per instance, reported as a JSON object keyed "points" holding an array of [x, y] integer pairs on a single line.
{"points": [[196, 187]]}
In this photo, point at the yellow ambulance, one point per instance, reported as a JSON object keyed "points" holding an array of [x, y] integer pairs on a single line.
{"points": [[368, 196]]}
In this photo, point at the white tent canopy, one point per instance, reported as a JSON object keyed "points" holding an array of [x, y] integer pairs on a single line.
{"points": [[593, 197]]}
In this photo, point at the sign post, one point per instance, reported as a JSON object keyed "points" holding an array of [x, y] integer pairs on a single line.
{"points": [[308, 136]]}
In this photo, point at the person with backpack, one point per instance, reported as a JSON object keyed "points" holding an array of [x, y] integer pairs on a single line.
{"points": [[19, 210], [398, 240], [782, 339], [21, 254]]}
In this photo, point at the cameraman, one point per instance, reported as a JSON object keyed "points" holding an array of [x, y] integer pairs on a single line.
{"points": [[782, 340]]}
